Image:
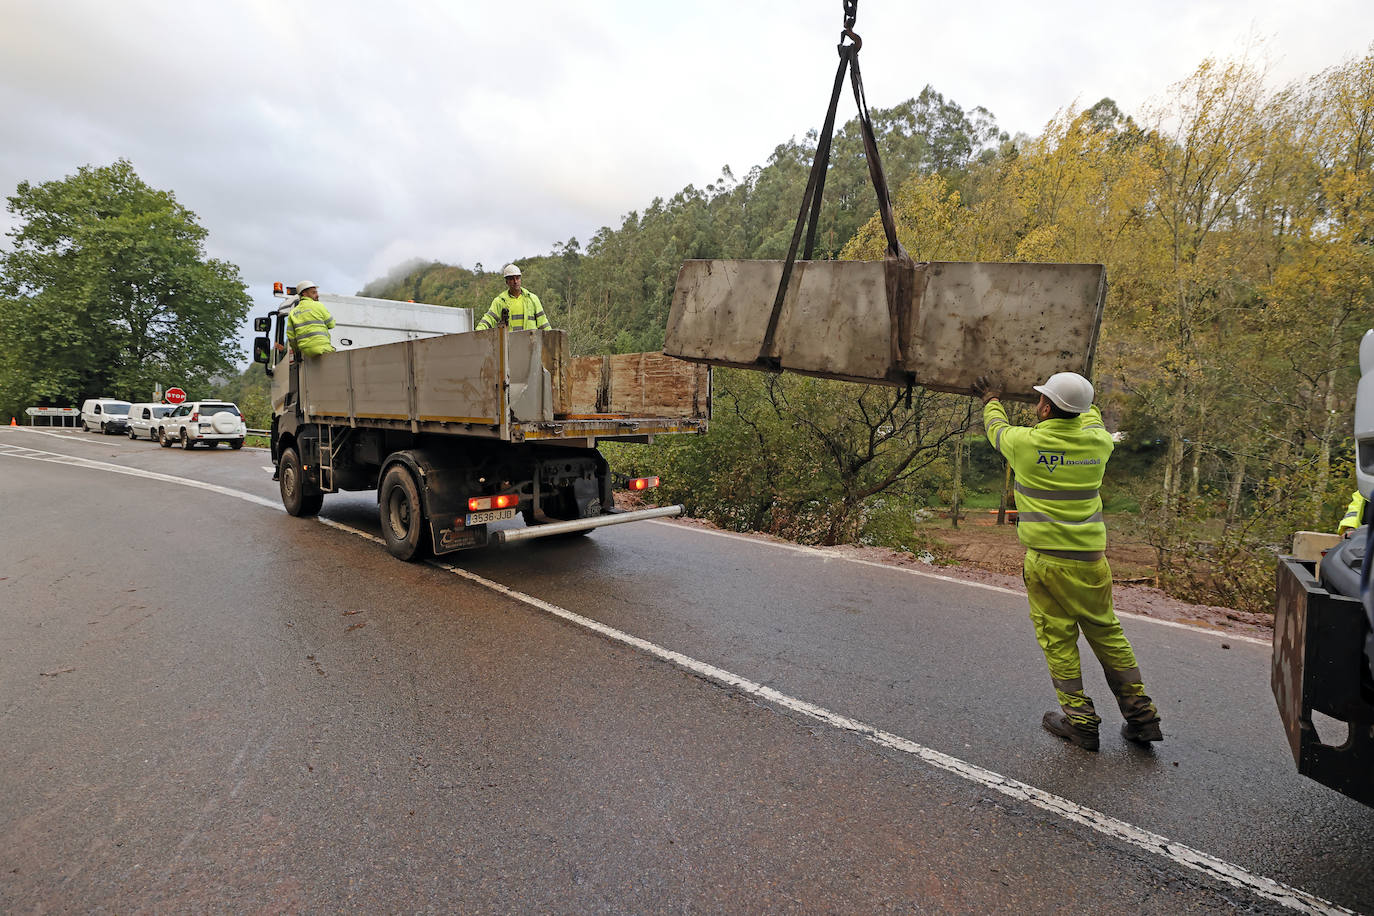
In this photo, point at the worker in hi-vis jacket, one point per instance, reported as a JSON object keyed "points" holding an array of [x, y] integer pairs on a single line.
{"points": [[308, 325], [1059, 464], [1354, 515], [522, 309]]}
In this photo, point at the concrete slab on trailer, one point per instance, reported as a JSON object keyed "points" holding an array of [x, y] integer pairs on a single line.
{"points": [[1018, 322]]}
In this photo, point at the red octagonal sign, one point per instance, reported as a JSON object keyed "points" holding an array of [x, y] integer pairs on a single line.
{"points": [[175, 396]]}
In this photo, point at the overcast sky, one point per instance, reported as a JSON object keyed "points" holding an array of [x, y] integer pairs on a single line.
{"points": [[330, 141]]}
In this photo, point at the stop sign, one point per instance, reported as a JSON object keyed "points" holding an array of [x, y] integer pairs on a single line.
{"points": [[175, 396]]}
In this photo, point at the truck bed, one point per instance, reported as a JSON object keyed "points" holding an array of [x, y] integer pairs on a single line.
{"points": [[508, 385]]}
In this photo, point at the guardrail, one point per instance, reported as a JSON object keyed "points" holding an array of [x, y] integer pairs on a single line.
{"points": [[259, 432]]}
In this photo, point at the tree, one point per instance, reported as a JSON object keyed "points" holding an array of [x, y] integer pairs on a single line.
{"points": [[108, 291]]}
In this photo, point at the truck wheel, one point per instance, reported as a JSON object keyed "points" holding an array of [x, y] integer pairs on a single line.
{"points": [[162, 439], [236, 443], [132, 433], [403, 519], [291, 479], [186, 442]]}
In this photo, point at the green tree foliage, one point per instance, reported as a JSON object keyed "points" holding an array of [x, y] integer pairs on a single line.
{"points": [[804, 458], [107, 291]]}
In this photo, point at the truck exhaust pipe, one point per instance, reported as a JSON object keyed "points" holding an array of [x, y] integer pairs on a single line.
{"points": [[549, 529]]}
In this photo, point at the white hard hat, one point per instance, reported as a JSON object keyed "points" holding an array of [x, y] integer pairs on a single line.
{"points": [[303, 286], [512, 271], [1069, 391]]}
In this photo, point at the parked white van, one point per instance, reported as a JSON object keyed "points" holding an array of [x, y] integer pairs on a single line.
{"points": [[143, 419], [105, 414]]}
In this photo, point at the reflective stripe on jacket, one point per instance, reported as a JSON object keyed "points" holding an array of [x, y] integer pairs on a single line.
{"points": [[1059, 466], [1354, 513], [307, 328], [526, 312]]}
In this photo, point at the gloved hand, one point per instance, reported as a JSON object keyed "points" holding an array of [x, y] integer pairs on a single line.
{"points": [[985, 388]]}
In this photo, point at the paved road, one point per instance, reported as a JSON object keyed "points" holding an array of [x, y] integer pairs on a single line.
{"points": [[654, 718]]}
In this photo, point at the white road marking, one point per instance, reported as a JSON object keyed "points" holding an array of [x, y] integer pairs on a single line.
{"points": [[15, 451], [838, 555], [76, 435], [1180, 854]]}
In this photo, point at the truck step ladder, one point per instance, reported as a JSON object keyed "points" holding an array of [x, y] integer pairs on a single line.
{"points": [[329, 451]]}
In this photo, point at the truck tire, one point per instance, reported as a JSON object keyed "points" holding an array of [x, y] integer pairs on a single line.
{"points": [[236, 443], [401, 514], [162, 439], [295, 495], [186, 442]]}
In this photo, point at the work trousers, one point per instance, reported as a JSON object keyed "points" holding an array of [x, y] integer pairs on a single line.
{"points": [[1071, 595]]}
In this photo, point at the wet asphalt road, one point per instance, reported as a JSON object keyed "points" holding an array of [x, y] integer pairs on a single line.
{"points": [[206, 704]]}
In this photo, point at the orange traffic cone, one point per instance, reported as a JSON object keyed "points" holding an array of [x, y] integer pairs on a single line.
{"points": [[12, 423]]}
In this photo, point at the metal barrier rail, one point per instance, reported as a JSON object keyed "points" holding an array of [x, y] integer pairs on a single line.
{"points": [[259, 432]]}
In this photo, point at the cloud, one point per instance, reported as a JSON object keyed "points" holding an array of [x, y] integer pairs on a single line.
{"points": [[337, 139]]}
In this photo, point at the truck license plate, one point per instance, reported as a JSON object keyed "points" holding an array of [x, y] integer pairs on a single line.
{"points": [[491, 515]]}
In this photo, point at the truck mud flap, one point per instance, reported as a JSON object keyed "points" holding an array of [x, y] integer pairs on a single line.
{"points": [[1318, 665], [448, 538]]}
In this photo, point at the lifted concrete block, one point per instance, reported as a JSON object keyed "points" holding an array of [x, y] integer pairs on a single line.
{"points": [[1017, 322]]}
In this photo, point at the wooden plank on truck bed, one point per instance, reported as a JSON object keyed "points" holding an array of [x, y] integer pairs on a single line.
{"points": [[637, 385], [1018, 322]]}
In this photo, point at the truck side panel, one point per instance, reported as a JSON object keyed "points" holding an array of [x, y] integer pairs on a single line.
{"points": [[504, 384], [458, 378]]}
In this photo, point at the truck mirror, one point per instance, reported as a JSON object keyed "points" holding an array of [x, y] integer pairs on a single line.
{"points": [[262, 324], [262, 349]]}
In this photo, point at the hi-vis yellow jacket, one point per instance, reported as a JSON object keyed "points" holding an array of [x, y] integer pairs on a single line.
{"points": [[1059, 466], [1354, 514], [526, 312], [307, 328]]}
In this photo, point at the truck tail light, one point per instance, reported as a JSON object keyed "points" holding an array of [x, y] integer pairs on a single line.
{"points": [[483, 503], [643, 483], [195, 416]]}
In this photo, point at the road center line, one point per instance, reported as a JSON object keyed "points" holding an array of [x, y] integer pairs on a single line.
{"points": [[1180, 854], [837, 555]]}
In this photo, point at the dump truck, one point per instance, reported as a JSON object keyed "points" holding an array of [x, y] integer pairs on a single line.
{"points": [[462, 432], [1322, 665]]}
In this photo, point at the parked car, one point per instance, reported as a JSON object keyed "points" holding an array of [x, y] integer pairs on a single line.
{"points": [[208, 422], [143, 419], [105, 414]]}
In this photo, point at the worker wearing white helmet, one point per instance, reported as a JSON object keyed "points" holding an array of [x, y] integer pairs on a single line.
{"points": [[519, 309], [1059, 464]]}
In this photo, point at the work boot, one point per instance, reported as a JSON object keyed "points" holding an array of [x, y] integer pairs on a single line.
{"points": [[1057, 723], [276, 473], [1142, 732]]}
